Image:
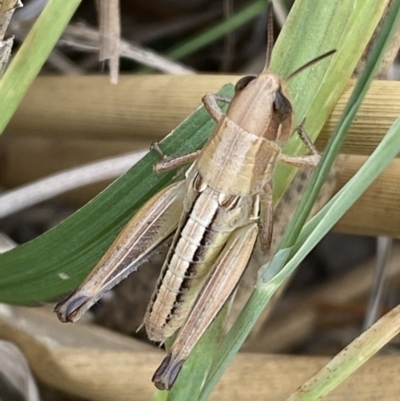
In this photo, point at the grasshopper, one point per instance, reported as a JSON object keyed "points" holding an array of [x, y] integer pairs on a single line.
{"points": [[218, 212]]}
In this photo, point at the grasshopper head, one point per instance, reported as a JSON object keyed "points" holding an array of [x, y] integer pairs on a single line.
{"points": [[262, 106]]}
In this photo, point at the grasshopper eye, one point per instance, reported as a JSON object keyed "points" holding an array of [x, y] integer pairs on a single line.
{"points": [[243, 82], [282, 107]]}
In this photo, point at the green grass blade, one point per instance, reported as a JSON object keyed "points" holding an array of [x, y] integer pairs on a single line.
{"points": [[211, 34], [31, 273], [345, 198], [358, 352], [350, 359], [31, 56]]}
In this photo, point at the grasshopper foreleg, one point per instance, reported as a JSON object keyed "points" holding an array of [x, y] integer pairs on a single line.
{"points": [[210, 103], [308, 161], [305, 138], [169, 163]]}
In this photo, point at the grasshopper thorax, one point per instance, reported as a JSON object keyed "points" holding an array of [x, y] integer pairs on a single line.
{"points": [[270, 115]]}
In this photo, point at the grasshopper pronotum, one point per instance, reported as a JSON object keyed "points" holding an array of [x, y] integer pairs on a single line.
{"points": [[218, 212]]}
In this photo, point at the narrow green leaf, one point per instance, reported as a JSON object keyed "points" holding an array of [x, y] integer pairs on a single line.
{"points": [[350, 359], [212, 34], [31, 56], [321, 223], [37, 271]]}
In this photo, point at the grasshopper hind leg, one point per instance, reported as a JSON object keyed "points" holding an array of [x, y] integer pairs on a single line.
{"points": [[151, 225], [219, 286]]}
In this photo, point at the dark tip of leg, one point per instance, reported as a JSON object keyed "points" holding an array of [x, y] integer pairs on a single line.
{"points": [[165, 376], [68, 309]]}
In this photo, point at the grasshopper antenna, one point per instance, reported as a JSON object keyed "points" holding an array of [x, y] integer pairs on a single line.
{"points": [[270, 34], [310, 63]]}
